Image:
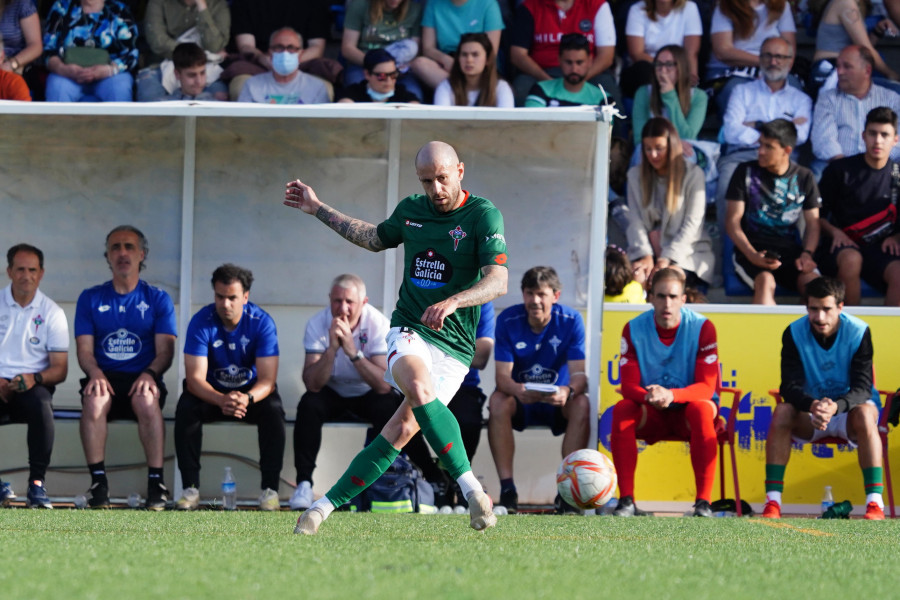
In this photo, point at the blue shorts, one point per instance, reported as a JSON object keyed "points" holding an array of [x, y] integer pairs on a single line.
{"points": [[528, 415]]}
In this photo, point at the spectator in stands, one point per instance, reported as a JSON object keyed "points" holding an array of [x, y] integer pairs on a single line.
{"points": [[828, 391], [91, 50], [666, 208], [540, 377], [755, 103], [380, 83], [838, 125], [669, 367], [168, 23], [619, 280], [842, 23], [286, 83], [392, 25], [190, 68], [443, 24], [737, 33], [473, 79], [652, 25], [20, 35], [253, 22], [767, 198], [859, 213], [346, 357], [12, 85], [34, 358], [125, 340], [539, 28], [670, 95], [230, 365], [571, 88]]}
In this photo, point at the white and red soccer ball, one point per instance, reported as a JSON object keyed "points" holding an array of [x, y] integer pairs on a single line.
{"points": [[586, 479]]}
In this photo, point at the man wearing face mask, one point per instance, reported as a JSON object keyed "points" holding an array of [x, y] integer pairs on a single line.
{"points": [[380, 84], [285, 84]]}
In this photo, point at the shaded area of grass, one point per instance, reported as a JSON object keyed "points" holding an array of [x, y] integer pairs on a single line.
{"points": [[79, 554]]}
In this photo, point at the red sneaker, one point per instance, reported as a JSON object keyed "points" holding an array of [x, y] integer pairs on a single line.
{"points": [[772, 510], [874, 512]]}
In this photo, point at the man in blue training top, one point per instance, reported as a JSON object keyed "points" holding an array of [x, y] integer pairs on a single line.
{"points": [[539, 375], [125, 340], [828, 391], [230, 364]]}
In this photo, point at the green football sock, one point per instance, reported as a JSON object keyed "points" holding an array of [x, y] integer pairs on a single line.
{"points": [[775, 478], [873, 480], [441, 430], [364, 469]]}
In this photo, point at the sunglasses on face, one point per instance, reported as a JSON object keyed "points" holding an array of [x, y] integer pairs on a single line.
{"points": [[385, 76]]}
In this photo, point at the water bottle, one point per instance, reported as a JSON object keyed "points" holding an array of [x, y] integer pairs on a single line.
{"points": [[827, 499], [229, 491], [610, 506], [135, 500], [81, 501]]}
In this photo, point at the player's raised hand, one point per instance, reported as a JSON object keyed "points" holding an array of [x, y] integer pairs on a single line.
{"points": [[299, 195]]}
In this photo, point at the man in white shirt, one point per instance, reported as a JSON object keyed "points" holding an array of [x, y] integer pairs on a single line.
{"points": [[34, 347], [755, 103], [346, 357], [840, 114], [285, 83]]}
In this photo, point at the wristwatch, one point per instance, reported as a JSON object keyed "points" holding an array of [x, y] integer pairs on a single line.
{"points": [[38, 378], [14, 64], [359, 355], [249, 398]]}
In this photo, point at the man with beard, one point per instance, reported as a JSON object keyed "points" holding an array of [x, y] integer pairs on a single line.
{"points": [[758, 102], [827, 387], [455, 257], [570, 89]]}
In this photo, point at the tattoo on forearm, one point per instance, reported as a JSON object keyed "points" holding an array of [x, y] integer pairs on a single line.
{"points": [[487, 288], [364, 235]]}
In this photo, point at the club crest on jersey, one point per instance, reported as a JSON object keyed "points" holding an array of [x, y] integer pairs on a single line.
{"points": [[457, 234], [38, 321], [143, 306], [429, 270]]}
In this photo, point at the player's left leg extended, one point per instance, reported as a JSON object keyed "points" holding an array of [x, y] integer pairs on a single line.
{"points": [[700, 417], [862, 428]]}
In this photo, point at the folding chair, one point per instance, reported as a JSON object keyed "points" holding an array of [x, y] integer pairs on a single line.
{"points": [[882, 433], [725, 434]]}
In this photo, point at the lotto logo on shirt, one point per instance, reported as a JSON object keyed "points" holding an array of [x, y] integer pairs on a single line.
{"points": [[233, 376], [430, 270], [121, 345]]}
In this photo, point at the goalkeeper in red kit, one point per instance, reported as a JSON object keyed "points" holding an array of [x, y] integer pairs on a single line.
{"points": [[669, 366]]}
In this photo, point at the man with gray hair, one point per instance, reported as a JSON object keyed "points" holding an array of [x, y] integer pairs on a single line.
{"points": [[346, 357], [125, 340], [758, 102], [285, 83]]}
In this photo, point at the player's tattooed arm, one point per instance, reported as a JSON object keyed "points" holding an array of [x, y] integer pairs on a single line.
{"points": [[491, 285], [361, 233]]}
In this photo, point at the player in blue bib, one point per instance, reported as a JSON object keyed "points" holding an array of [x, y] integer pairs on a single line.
{"points": [[125, 340], [540, 377], [231, 364], [828, 391]]}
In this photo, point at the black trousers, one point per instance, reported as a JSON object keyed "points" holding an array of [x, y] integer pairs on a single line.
{"points": [[268, 416], [466, 406], [35, 408]]}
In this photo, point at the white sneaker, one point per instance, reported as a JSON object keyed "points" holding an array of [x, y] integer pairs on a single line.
{"points": [[481, 511], [302, 498], [190, 499], [268, 500], [309, 522]]}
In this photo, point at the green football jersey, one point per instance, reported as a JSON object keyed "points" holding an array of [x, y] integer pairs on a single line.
{"points": [[443, 255]]}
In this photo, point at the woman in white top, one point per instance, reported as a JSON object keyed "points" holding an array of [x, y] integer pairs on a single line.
{"points": [[473, 77], [653, 24], [666, 207]]}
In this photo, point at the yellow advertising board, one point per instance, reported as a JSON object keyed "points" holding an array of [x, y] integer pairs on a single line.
{"points": [[750, 352]]}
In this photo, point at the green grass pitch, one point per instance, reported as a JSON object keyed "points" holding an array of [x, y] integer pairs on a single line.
{"points": [[126, 554]]}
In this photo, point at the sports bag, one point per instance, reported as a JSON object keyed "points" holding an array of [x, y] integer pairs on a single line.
{"points": [[401, 489]]}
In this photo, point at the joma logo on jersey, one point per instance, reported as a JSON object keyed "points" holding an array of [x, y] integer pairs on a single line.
{"points": [[413, 224], [457, 234]]}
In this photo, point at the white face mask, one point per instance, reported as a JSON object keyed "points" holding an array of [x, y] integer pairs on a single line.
{"points": [[285, 63], [379, 96]]}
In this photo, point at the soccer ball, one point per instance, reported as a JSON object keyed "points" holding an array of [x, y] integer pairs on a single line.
{"points": [[586, 479]]}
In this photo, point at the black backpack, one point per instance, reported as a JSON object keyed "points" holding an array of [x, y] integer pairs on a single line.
{"points": [[402, 489]]}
